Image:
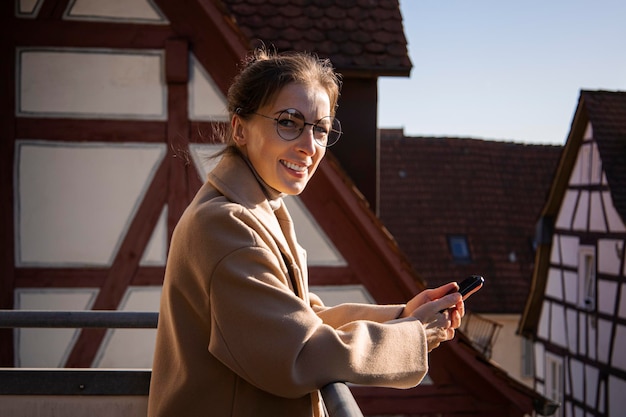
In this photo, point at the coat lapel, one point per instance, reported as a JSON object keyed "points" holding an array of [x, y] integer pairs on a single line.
{"points": [[233, 178]]}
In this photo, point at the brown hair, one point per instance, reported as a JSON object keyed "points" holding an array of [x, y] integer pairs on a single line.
{"points": [[265, 73]]}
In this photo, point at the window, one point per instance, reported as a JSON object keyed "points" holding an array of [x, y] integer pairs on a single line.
{"points": [[587, 277], [554, 381], [459, 248], [528, 364]]}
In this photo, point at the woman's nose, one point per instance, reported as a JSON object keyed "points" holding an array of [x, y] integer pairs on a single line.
{"points": [[306, 141]]}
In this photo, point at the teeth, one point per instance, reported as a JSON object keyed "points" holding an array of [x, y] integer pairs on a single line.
{"points": [[295, 167]]}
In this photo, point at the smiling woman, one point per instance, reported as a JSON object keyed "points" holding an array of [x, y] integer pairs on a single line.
{"points": [[239, 334]]}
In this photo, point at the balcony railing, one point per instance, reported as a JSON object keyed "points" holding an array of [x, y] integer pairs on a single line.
{"points": [[481, 332], [64, 381]]}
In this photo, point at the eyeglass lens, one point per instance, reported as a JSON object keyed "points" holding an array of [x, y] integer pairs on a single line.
{"points": [[290, 124]]}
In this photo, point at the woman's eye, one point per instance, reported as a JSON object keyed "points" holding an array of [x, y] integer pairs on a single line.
{"points": [[287, 123], [322, 130]]}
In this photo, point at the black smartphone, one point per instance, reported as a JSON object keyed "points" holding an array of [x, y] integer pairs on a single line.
{"points": [[467, 285]]}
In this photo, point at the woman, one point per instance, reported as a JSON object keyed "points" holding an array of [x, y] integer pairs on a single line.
{"points": [[239, 334]]}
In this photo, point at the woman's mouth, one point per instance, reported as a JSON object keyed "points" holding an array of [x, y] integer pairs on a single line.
{"points": [[294, 167]]}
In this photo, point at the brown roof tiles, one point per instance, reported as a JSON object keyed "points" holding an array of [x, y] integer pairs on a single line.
{"points": [[355, 34], [491, 192]]}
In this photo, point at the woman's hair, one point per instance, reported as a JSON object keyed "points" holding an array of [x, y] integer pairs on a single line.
{"points": [[265, 73]]}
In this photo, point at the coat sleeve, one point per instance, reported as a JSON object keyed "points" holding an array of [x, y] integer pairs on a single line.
{"points": [[342, 314], [262, 331]]}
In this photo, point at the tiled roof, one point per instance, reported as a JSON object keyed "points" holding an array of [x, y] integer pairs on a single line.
{"points": [[361, 35], [607, 114], [492, 192]]}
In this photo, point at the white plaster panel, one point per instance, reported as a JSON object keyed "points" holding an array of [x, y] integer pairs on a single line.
{"points": [[577, 176], [333, 295], [206, 101], [555, 250], [571, 286], [74, 201], [569, 250], [320, 249], [596, 216], [596, 165], [619, 349], [202, 156], [139, 11], [571, 329], [616, 225], [131, 348], [617, 399], [604, 340], [578, 379], [581, 217], [28, 8], [591, 385], [544, 321], [566, 211], [156, 250], [554, 287], [607, 296], [48, 347], [557, 328], [91, 83], [609, 253]]}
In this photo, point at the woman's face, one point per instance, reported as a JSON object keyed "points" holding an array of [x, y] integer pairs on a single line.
{"points": [[284, 165]]}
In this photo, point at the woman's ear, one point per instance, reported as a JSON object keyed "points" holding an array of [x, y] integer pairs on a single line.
{"points": [[238, 128]]}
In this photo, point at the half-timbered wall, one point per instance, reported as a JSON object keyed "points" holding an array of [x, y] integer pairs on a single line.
{"points": [[110, 144], [581, 349]]}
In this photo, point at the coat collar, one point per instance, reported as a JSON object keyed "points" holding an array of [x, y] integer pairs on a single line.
{"points": [[234, 179]]}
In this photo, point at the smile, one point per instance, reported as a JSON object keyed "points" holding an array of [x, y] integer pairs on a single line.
{"points": [[298, 168]]}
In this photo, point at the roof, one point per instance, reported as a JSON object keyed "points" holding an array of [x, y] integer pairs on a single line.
{"points": [[491, 192], [361, 35], [606, 111]]}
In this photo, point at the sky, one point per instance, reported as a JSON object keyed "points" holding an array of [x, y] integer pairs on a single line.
{"points": [[503, 70]]}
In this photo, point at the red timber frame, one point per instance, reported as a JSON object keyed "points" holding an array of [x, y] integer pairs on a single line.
{"points": [[174, 183]]}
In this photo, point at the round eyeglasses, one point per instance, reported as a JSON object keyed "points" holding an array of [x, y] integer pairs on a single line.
{"points": [[290, 124]]}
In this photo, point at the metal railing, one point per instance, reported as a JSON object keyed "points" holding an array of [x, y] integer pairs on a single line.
{"points": [[481, 332], [64, 381]]}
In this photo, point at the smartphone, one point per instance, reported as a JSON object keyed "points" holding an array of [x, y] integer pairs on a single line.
{"points": [[467, 285]]}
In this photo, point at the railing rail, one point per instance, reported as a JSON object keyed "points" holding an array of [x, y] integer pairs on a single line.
{"points": [[337, 396]]}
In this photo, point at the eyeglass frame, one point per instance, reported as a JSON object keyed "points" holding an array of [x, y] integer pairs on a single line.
{"points": [[292, 111]]}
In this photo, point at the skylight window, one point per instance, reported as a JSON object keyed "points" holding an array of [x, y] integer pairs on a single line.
{"points": [[459, 249]]}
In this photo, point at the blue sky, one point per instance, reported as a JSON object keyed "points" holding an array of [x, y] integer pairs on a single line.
{"points": [[503, 70]]}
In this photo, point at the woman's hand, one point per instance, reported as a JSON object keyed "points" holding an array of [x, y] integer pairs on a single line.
{"points": [[439, 311]]}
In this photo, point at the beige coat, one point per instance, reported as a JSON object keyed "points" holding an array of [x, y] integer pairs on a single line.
{"points": [[236, 339]]}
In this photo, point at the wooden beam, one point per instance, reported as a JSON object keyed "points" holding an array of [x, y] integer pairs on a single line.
{"points": [[78, 130], [7, 158], [124, 267], [332, 275], [79, 34]]}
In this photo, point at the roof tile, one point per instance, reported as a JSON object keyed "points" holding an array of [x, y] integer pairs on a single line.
{"points": [[492, 192], [374, 28]]}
